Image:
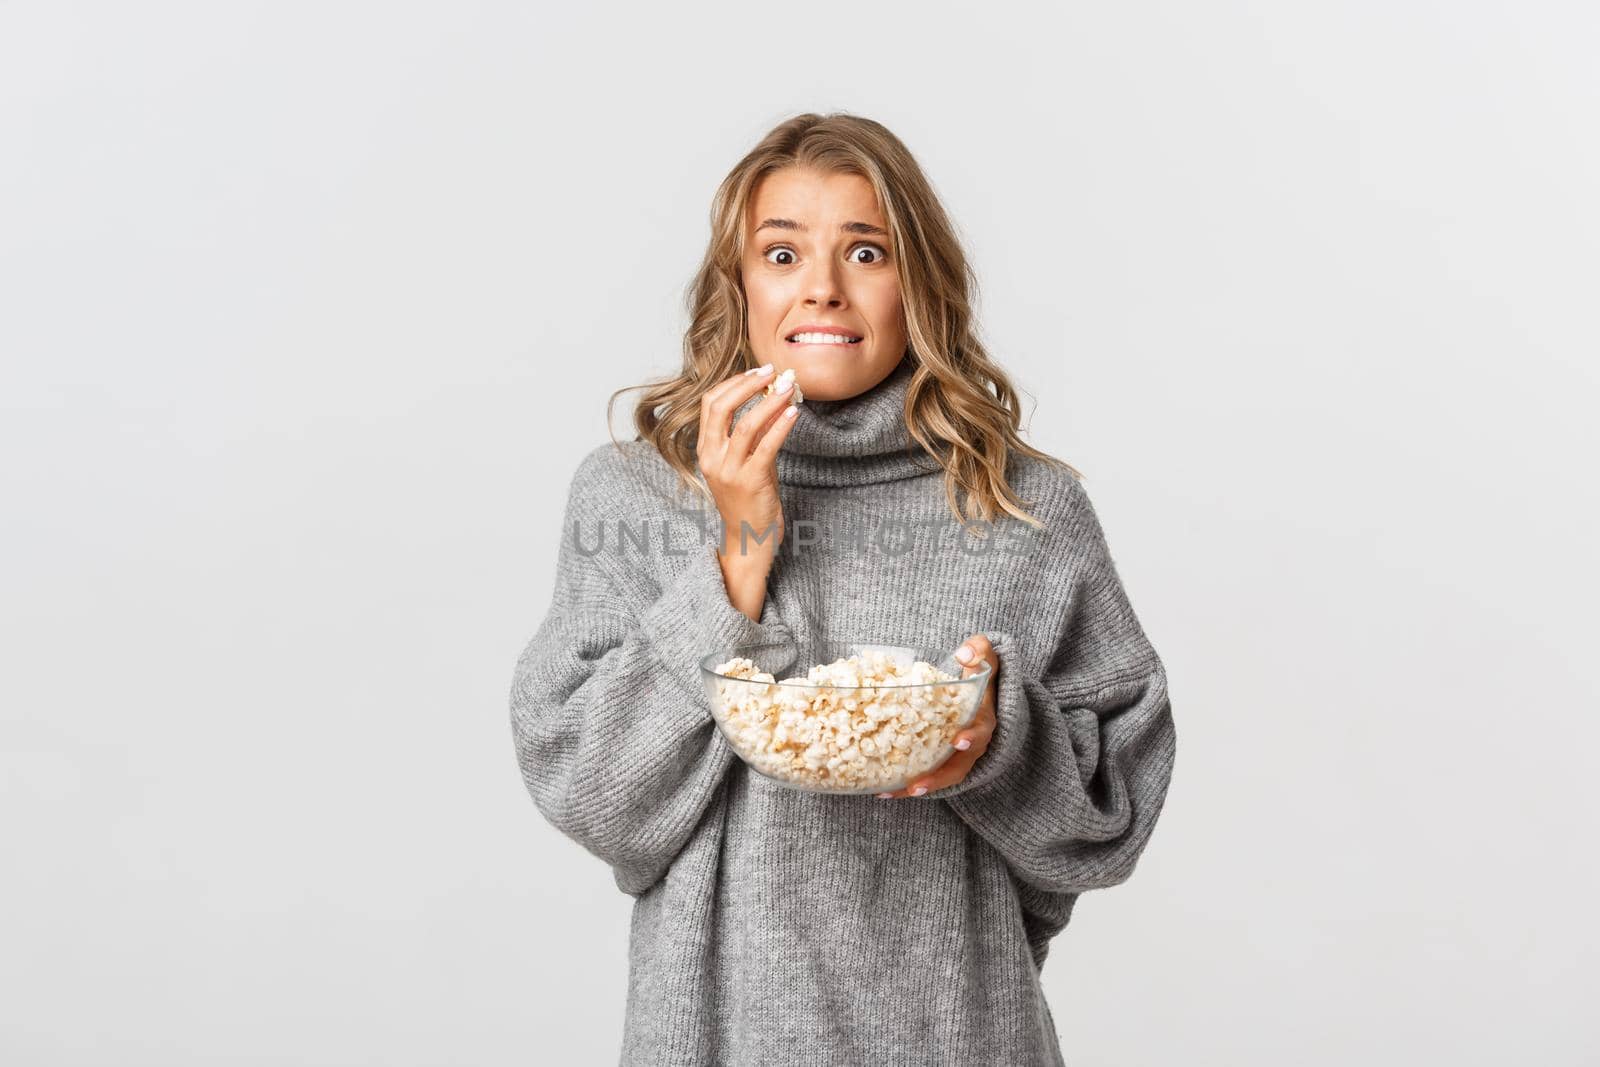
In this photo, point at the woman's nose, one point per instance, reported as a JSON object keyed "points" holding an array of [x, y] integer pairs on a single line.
{"points": [[822, 287]]}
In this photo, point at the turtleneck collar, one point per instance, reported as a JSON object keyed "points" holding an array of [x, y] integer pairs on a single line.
{"points": [[859, 440]]}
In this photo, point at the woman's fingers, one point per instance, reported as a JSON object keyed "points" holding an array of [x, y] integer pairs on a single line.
{"points": [[774, 430], [949, 772], [976, 734], [718, 404], [753, 428], [974, 650], [977, 650]]}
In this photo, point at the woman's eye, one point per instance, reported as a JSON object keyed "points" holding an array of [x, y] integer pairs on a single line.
{"points": [[780, 249], [880, 253]]}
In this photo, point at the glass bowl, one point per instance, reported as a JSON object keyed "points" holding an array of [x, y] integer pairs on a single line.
{"points": [[870, 725]]}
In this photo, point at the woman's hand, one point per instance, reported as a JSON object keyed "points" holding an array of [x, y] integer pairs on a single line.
{"points": [[976, 734], [741, 468]]}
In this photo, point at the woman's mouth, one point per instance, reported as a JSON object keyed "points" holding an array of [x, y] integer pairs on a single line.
{"points": [[809, 338]]}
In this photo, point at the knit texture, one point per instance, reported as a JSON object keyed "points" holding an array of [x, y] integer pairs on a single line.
{"points": [[777, 926]]}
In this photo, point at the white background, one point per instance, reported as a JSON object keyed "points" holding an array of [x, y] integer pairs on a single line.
{"points": [[309, 310]]}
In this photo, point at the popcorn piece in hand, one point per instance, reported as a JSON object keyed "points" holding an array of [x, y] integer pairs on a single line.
{"points": [[795, 395]]}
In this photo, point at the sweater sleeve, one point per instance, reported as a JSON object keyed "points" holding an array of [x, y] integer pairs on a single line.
{"points": [[612, 727], [1077, 770]]}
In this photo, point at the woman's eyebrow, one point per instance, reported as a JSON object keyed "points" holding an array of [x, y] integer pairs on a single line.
{"points": [[844, 227]]}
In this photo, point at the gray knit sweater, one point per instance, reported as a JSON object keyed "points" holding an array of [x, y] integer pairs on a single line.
{"points": [[776, 926]]}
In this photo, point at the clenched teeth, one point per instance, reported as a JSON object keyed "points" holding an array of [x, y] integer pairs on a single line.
{"points": [[823, 339]]}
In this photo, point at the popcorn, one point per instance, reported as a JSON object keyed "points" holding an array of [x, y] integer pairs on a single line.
{"points": [[795, 394], [835, 729]]}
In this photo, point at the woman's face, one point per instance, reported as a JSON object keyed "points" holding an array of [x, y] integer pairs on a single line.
{"points": [[817, 255]]}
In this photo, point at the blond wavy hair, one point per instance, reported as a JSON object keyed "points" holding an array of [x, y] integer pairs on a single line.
{"points": [[960, 406]]}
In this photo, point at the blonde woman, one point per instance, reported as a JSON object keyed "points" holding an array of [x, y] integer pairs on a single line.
{"points": [[894, 503]]}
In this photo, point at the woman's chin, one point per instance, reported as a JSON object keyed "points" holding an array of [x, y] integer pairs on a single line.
{"points": [[823, 389], [821, 382]]}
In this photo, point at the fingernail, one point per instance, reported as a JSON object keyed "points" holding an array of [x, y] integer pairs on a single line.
{"points": [[885, 796], [964, 744], [964, 654], [784, 385], [919, 790], [765, 368]]}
